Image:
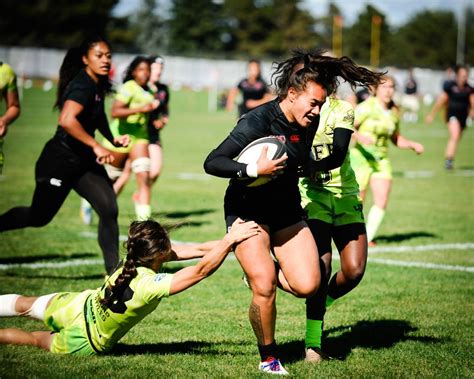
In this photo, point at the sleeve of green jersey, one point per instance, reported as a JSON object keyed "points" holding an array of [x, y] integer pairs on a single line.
{"points": [[362, 112], [345, 116], [155, 286], [10, 83], [124, 93]]}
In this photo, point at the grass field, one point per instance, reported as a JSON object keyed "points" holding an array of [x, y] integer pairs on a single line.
{"points": [[401, 321]]}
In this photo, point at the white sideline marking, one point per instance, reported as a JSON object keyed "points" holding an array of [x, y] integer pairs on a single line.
{"points": [[438, 246], [390, 262], [418, 174], [193, 176]]}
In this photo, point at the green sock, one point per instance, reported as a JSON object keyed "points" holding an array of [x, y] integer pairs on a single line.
{"points": [[329, 301], [143, 211], [374, 219], [314, 333]]}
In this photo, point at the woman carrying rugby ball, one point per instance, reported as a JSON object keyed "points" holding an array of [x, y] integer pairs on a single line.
{"points": [[302, 85]]}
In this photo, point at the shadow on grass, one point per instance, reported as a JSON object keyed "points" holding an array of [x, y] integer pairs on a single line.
{"points": [[38, 258], [197, 212], [185, 347], [404, 236], [377, 334], [69, 277]]}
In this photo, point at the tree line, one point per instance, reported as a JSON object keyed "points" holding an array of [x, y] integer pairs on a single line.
{"points": [[265, 29]]}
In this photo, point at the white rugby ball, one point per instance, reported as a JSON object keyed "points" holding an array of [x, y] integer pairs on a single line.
{"points": [[251, 153]]}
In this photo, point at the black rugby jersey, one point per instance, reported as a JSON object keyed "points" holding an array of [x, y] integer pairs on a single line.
{"points": [[458, 97], [250, 91], [265, 120], [85, 91]]}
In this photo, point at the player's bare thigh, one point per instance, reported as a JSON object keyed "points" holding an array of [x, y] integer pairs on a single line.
{"points": [[297, 255], [254, 256]]}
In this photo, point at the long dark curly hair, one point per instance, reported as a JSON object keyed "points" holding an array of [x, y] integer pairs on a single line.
{"points": [[73, 64], [147, 240], [304, 66], [128, 75]]}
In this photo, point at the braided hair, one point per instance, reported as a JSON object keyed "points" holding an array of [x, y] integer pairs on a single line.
{"points": [[305, 66], [147, 241], [73, 64]]}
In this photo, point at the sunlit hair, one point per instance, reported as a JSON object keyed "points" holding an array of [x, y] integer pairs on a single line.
{"points": [[73, 64], [128, 75], [147, 242], [304, 66]]}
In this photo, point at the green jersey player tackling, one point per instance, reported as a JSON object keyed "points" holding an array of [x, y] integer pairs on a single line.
{"points": [[330, 197], [92, 321], [9, 92]]}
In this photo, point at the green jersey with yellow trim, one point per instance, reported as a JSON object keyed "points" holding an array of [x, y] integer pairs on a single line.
{"points": [[7, 78], [378, 123], [106, 325], [134, 96], [334, 114]]}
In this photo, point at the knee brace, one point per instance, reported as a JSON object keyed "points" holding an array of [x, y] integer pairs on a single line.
{"points": [[142, 164], [113, 172], [39, 307]]}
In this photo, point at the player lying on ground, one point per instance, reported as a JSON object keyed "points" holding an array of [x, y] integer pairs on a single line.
{"points": [[91, 322]]}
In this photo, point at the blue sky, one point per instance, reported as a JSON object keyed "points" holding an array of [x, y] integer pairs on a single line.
{"points": [[397, 11]]}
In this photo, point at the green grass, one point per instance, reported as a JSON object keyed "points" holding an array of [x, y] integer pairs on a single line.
{"points": [[399, 322]]}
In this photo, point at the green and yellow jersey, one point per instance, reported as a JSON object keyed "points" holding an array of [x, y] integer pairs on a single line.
{"points": [[334, 114], [7, 79], [135, 125], [379, 124], [106, 325]]}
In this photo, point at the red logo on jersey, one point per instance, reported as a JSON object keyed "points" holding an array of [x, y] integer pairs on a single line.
{"points": [[295, 138]]}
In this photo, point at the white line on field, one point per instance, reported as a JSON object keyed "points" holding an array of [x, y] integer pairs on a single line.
{"points": [[392, 262], [380, 249], [410, 249]]}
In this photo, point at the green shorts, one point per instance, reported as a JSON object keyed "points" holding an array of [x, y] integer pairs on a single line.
{"points": [[334, 209], [133, 141], [366, 168], [1, 155], [65, 317]]}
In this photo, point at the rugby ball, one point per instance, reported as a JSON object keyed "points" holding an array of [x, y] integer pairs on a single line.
{"points": [[251, 153]]}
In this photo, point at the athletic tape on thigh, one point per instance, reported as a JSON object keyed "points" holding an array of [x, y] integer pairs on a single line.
{"points": [[113, 172], [39, 307], [142, 164]]}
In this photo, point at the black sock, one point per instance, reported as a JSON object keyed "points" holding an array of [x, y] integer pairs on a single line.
{"points": [[267, 351]]}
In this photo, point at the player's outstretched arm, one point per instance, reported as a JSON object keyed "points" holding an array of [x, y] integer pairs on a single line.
{"points": [[189, 276], [183, 251]]}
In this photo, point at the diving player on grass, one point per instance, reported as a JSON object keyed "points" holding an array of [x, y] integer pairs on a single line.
{"points": [[93, 321]]}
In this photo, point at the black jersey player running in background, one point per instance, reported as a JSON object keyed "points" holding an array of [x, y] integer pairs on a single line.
{"points": [[302, 87], [458, 95], [253, 89], [73, 159]]}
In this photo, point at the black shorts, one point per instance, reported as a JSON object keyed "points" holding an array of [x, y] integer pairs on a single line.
{"points": [[154, 135], [277, 210], [461, 116], [59, 166]]}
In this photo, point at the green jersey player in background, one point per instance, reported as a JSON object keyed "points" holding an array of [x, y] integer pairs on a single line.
{"points": [[9, 91], [377, 122]]}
